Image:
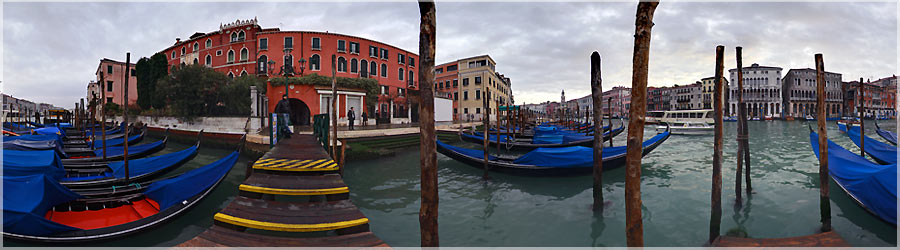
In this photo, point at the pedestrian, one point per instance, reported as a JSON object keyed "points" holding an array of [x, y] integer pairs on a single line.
{"points": [[351, 116], [283, 107], [365, 118]]}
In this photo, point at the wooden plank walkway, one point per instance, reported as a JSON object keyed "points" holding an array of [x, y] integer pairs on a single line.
{"points": [[827, 239], [296, 167]]}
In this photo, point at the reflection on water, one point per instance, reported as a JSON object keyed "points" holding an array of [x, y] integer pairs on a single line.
{"points": [[675, 184]]}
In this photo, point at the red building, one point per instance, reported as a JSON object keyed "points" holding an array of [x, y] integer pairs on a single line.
{"points": [[243, 47]]}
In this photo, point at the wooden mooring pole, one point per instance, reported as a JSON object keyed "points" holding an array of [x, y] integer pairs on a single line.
{"points": [[334, 114], [609, 104], [498, 128], [124, 116], [634, 228], [715, 220], [740, 128], [103, 112], [597, 98], [428, 212], [486, 123], [862, 118], [824, 202]]}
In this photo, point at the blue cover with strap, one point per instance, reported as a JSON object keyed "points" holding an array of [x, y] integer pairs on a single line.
{"points": [[887, 135], [25, 201], [492, 137], [132, 149], [574, 157], [108, 132], [874, 185], [881, 151], [22, 163], [26, 145], [465, 151], [176, 190], [61, 125], [141, 166], [116, 141], [34, 138], [49, 131]]}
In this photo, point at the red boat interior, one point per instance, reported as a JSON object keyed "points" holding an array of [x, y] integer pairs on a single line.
{"points": [[106, 217]]}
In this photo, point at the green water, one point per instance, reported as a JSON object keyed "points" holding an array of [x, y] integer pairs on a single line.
{"points": [[533, 211], [675, 187]]}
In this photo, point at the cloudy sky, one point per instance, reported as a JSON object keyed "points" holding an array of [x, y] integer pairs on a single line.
{"points": [[51, 50]]}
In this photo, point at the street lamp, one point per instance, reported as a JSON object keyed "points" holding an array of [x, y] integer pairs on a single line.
{"points": [[301, 62], [271, 67]]}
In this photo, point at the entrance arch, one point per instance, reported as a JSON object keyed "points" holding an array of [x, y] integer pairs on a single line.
{"points": [[299, 112]]}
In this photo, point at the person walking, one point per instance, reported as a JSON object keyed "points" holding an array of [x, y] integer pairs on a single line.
{"points": [[283, 107], [365, 118], [351, 115]]}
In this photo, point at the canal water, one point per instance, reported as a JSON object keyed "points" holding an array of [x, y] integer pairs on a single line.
{"points": [[555, 211]]}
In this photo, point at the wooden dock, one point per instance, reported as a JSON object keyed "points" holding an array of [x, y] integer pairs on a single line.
{"points": [[297, 168], [827, 239]]}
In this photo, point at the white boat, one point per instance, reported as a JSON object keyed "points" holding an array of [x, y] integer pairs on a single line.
{"points": [[687, 122], [810, 118]]}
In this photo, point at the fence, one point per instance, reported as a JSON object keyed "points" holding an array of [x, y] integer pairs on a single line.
{"points": [[320, 129]]}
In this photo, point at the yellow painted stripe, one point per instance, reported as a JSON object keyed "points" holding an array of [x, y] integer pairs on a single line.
{"points": [[312, 163], [321, 164], [264, 160], [272, 226], [330, 165], [296, 169], [282, 164], [272, 162], [265, 190]]}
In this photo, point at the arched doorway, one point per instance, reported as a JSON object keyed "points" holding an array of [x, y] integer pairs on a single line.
{"points": [[299, 112]]}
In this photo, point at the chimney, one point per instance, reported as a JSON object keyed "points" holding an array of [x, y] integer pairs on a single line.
{"points": [[177, 40]]}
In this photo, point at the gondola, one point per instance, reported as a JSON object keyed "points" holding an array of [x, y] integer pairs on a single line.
{"points": [[548, 161], [889, 136], [552, 141], [51, 213], [879, 151], [29, 145], [113, 173], [110, 141], [873, 186], [94, 157]]}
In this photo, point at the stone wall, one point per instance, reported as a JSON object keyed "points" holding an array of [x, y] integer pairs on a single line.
{"points": [[222, 125]]}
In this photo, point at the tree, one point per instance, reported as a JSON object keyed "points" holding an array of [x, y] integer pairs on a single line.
{"points": [[234, 97], [191, 90], [148, 72]]}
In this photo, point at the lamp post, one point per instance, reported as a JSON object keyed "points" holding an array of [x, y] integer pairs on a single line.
{"points": [[301, 65]]}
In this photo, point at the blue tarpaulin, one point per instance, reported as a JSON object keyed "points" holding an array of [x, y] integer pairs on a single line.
{"points": [[26, 145], [132, 149], [25, 201], [469, 152], [34, 138], [888, 135], [22, 163], [176, 190], [577, 156], [116, 141], [49, 131], [142, 166], [873, 185], [881, 151]]}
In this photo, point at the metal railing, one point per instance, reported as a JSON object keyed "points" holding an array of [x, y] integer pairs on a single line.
{"points": [[321, 128]]}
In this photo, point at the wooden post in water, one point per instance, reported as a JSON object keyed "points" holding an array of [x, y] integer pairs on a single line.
{"points": [[740, 128], [824, 201], [124, 117], [498, 128], [334, 114], [103, 113], [343, 157], [428, 213], [634, 228], [486, 123], [597, 98], [862, 118], [609, 104], [509, 126], [715, 220]]}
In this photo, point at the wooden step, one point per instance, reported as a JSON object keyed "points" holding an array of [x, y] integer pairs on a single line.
{"points": [[282, 164], [217, 236], [294, 184], [827, 239], [291, 216]]}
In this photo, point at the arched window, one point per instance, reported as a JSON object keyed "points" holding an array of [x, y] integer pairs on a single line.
{"points": [[182, 50], [262, 64], [196, 46], [208, 43], [208, 60], [245, 54], [234, 36], [230, 75], [314, 62], [373, 69], [383, 70], [411, 77], [173, 54], [241, 36], [243, 73], [196, 61], [342, 64], [364, 68], [230, 56], [354, 65], [400, 74]]}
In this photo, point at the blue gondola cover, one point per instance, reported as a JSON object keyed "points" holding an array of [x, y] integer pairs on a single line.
{"points": [[115, 142], [141, 166], [874, 185], [176, 190], [25, 201], [888, 135], [879, 150], [22, 163], [469, 152], [26, 145], [132, 149], [578, 156]]}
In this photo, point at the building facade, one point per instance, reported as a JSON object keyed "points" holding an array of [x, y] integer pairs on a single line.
{"points": [[762, 91], [707, 89], [799, 93], [686, 97], [468, 80], [879, 98], [617, 101], [113, 84], [244, 48]]}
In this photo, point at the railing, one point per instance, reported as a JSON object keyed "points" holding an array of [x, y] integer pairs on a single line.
{"points": [[320, 129]]}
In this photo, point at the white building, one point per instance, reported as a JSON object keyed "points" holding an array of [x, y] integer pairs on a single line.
{"points": [[762, 91]]}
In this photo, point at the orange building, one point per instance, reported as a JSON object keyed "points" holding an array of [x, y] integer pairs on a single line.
{"points": [[244, 48], [113, 84]]}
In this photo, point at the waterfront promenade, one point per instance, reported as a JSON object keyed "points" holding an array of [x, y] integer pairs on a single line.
{"points": [[297, 168]]}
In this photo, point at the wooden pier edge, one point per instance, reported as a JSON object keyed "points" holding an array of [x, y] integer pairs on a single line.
{"points": [[826, 239]]}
